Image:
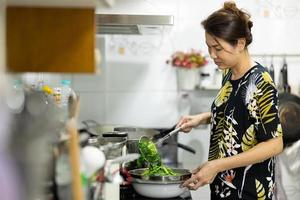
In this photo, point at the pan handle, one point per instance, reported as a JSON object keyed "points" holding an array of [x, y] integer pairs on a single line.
{"points": [[187, 148], [115, 134]]}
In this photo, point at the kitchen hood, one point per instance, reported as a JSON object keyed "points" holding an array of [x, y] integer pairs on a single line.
{"points": [[133, 24]]}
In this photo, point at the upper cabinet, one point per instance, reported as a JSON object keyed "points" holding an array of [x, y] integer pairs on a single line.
{"points": [[54, 3], [50, 38]]}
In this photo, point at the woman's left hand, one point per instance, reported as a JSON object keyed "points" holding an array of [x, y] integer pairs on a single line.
{"points": [[204, 174]]}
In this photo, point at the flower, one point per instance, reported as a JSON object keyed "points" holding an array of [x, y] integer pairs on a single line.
{"points": [[191, 59]]}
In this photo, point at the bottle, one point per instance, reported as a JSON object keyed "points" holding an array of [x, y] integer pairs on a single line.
{"points": [[57, 96], [65, 92], [15, 97]]}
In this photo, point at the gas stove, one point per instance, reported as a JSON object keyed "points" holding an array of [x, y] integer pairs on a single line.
{"points": [[128, 193]]}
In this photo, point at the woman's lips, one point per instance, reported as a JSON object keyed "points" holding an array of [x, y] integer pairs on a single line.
{"points": [[217, 62]]}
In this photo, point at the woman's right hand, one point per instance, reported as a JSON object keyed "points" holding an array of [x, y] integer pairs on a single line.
{"points": [[187, 123]]}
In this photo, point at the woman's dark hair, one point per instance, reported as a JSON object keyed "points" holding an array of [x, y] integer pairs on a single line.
{"points": [[230, 24]]}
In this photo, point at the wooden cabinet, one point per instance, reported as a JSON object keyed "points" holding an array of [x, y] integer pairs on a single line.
{"points": [[50, 39]]}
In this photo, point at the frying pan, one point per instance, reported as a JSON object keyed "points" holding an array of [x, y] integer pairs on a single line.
{"points": [[134, 135], [159, 186], [289, 112], [93, 128]]}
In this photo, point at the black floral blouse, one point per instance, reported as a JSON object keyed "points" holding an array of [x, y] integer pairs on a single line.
{"points": [[244, 113]]}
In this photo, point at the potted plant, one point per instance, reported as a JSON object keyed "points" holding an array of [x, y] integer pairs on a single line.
{"points": [[188, 65]]}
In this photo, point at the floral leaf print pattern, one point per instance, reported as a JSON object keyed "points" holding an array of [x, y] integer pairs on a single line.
{"points": [[224, 141], [278, 132], [223, 191], [219, 120], [267, 78], [260, 100], [231, 118], [250, 89], [260, 190], [264, 98], [227, 178], [223, 94], [244, 176], [230, 140], [271, 183], [249, 139]]}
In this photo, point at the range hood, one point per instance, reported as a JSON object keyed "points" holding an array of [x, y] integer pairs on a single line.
{"points": [[133, 24]]}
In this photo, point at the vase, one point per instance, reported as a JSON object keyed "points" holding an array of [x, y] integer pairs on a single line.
{"points": [[188, 79]]}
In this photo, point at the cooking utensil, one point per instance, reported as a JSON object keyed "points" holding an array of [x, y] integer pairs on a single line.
{"points": [[163, 148], [160, 140], [271, 69], [112, 146], [74, 148], [283, 85], [159, 186]]}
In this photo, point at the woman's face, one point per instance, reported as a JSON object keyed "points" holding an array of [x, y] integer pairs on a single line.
{"points": [[224, 54]]}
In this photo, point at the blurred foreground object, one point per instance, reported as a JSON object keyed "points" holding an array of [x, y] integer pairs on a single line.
{"points": [[34, 131]]}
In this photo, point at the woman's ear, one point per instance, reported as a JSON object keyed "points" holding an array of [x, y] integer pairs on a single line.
{"points": [[241, 44]]}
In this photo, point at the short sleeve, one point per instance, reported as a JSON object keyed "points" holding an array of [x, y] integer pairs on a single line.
{"points": [[264, 109]]}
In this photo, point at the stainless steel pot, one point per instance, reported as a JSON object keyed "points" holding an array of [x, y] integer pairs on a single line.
{"points": [[159, 186], [111, 145]]}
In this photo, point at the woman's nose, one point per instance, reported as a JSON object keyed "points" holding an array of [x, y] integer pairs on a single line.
{"points": [[212, 55]]}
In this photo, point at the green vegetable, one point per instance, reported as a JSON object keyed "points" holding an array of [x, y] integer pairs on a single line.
{"points": [[150, 155]]}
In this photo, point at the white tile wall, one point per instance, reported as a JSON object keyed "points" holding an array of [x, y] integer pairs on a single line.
{"points": [[139, 77], [144, 109], [92, 106], [89, 83]]}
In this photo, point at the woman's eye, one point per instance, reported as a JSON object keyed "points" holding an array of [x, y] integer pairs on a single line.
{"points": [[219, 49]]}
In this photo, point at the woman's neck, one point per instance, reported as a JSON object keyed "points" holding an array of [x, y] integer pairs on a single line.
{"points": [[242, 66]]}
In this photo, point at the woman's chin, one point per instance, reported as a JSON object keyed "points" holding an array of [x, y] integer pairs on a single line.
{"points": [[222, 67]]}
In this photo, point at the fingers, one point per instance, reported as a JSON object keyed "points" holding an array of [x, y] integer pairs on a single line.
{"points": [[187, 126], [182, 120], [188, 182], [194, 183]]}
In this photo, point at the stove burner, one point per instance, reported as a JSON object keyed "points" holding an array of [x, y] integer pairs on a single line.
{"points": [[128, 193]]}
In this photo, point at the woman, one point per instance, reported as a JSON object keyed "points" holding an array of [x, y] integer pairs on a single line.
{"points": [[245, 129]]}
